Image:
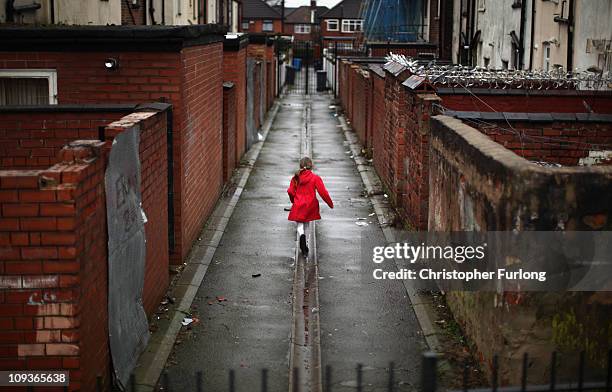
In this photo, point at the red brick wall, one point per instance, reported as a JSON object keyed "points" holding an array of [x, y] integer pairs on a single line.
{"points": [[133, 14], [229, 132], [81, 77], [190, 80], [153, 154], [343, 83], [53, 254], [415, 165], [53, 232], [557, 142], [234, 70], [200, 164], [30, 140], [525, 102], [379, 154], [360, 105], [395, 125]]}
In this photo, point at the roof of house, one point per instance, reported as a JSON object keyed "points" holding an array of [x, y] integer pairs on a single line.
{"points": [[348, 9], [258, 9], [302, 14], [288, 10]]}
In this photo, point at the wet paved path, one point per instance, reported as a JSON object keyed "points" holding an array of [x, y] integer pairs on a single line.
{"points": [[362, 320], [251, 329]]}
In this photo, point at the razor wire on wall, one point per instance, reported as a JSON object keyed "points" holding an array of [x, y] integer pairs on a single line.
{"points": [[462, 76]]}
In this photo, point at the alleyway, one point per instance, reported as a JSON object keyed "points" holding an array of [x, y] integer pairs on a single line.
{"points": [[362, 321]]}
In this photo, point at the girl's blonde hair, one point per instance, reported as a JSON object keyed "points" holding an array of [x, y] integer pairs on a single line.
{"points": [[305, 164]]}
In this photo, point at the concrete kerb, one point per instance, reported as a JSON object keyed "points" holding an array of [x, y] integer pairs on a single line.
{"points": [[153, 360], [421, 304]]}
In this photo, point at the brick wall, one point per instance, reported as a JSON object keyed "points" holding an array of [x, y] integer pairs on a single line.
{"points": [[199, 162], [190, 79], [396, 107], [480, 185], [133, 14], [229, 130], [153, 153], [379, 156], [30, 140], [54, 267], [415, 189], [234, 70], [526, 101], [53, 258], [45, 130], [359, 101], [81, 77], [562, 142]]}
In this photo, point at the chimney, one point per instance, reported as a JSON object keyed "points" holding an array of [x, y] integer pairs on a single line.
{"points": [[313, 11]]}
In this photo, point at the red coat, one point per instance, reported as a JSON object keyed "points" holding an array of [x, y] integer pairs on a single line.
{"points": [[302, 194]]}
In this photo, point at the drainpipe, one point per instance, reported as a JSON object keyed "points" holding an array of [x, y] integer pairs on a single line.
{"points": [[570, 36], [152, 12], [533, 15], [522, 39], [52, 11], [170, 160], [163, 12], [460, 43]]}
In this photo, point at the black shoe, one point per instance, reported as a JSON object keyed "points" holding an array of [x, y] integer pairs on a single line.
{"points": [[303, 246]]}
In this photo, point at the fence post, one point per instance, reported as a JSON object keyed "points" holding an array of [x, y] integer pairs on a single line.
{"points": [[429, 372]]}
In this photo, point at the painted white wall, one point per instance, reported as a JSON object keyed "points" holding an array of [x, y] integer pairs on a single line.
{"points": [[548, 33], [177, 12], [496, 19], [456, 41], [593, 21], [235, 20], [211, 12], [70, 12]]}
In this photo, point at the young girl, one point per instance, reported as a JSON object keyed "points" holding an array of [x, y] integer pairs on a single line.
{"points": [[305, 206]]}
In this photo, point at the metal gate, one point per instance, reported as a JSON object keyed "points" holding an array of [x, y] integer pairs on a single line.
{"points": [[298, 62]]}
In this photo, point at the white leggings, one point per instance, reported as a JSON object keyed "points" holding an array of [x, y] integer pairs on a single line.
{"points": [[303, 227]]}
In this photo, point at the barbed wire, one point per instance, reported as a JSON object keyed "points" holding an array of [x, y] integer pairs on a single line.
{"points": [[478, 77]]}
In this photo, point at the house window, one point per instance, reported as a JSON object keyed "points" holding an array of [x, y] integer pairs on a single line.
{"points": [[245, 25], [332, 24], [267, 25], [482, 6], [28, 87], [547, 57], [301, 29], [351, 25]]}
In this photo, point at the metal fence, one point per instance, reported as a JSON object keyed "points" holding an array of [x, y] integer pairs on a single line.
{"points": [[429, 379]]}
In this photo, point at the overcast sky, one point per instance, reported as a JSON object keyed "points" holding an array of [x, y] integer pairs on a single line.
{"points": [[297, 3]]}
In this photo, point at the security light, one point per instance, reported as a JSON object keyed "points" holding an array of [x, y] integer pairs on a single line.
{"points": [[111, 63]]}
